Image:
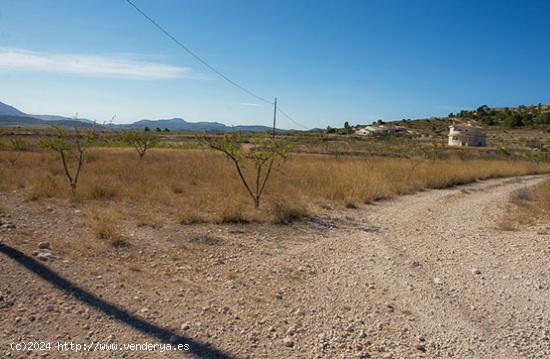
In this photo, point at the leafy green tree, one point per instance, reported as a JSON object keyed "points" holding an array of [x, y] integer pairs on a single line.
{"points": [[463, 113], [347, 128], [514, 120], [330, 130], [483, 110]]}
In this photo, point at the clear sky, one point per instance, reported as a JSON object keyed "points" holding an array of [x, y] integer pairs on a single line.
{"points": [[326, 61]]}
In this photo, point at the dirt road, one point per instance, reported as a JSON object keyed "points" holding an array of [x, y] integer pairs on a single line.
{"points": [[423, 276]]}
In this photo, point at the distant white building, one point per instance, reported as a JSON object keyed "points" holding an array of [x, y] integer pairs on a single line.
{"points": [[381, 129], [466, 134], [363, 132]]}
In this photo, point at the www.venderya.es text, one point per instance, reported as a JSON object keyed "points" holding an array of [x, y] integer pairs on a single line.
{"points": [[44, 346]]}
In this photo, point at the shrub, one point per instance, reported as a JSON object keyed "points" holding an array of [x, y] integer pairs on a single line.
{"points": [[44, 187], [190, 215], [232, 215], [18, 144], [101, 191], [107, 228], [287, 211]]}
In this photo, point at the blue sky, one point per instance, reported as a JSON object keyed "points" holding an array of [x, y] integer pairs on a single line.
{"points": [[326, 61]]}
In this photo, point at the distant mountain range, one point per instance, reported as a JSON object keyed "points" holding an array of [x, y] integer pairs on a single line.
{"points": [[12, 117], [7, 110]]}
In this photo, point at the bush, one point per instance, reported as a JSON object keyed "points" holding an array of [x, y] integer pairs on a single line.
{"points": [[99, 191], [232, 216], [18, 144], [287, 211], [44, 187], [107, 228], [190, 215]]}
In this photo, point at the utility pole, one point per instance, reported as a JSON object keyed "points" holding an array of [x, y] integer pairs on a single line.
{"points": [[274, 115]]}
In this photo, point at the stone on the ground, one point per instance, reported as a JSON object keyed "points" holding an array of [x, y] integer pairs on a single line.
{"points": [[45, 256], [44, 245], [287, 341]]}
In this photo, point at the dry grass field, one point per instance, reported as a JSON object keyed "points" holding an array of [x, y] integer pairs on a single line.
{"points": [[194, 186]]}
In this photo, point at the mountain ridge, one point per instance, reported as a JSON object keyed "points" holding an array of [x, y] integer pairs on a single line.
{"points": [[11, 116]]}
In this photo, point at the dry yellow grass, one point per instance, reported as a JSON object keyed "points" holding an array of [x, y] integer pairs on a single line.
{"points": [[106, 225], [541, 200], [191, 186], [526, 207]]}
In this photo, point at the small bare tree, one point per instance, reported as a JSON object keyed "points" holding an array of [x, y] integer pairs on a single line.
{"points": [[72, 151], [261, 155], [141, 141]]}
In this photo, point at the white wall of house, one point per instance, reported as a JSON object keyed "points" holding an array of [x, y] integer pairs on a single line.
{"points": [[466, 135]]}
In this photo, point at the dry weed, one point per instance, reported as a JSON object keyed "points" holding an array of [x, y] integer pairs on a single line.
{"points": [[541, 200], [107, 227], [195, 186], [526, 206], [43, 187], [287, 210]]}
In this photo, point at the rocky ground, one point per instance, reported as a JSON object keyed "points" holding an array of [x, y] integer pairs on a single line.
{"points": [[423, 276]]}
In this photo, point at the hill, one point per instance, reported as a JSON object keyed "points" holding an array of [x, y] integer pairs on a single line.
{"points": [[60, 118], [31, 122], [520, 116], [179, 124], [7, 110], [173, 124], [12, 117]]}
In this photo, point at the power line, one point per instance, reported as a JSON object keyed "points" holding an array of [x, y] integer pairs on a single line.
{"points": [[201, 60], [205, 63], [291, 119]]}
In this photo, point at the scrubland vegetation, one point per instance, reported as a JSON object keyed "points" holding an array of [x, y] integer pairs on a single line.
{"points": [[510, 117], [195, 186], [527, 206], [542, 199]]}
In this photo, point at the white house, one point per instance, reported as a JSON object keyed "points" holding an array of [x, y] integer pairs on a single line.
{"points": [[381, 129], [466, 134], [363, 132]]}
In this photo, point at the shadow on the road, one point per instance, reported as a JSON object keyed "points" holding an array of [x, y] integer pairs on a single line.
{"points": [[196, 348]]}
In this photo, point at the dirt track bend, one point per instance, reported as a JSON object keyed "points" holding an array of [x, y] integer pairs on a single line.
{"points": [[426, 275]]}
